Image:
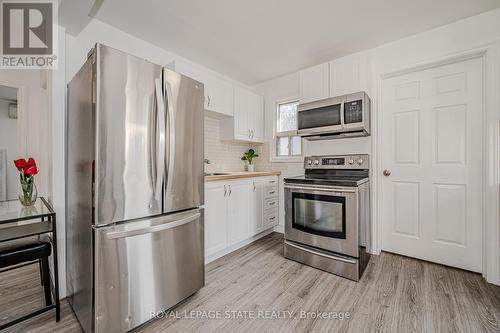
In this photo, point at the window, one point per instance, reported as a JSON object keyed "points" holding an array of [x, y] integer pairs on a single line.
{"points": [[288, 144]]}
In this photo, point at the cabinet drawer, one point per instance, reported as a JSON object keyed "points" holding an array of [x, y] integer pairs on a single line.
{"points": [[270, 203], [271, 217], [270, 192]]}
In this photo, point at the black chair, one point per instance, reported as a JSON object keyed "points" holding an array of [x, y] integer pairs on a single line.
{"points": [[19, 253]]}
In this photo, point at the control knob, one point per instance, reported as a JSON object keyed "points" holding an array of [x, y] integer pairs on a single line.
{"points": [[316, 162], [309, 162], [351, 161], [360, 161]]}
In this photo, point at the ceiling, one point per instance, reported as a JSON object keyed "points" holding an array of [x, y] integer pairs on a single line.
{"points": [[254, 41]]}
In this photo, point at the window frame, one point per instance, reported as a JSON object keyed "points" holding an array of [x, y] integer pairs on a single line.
{"points": [[274, 157]]}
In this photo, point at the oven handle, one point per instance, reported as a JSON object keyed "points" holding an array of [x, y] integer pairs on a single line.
{"points": [[349, 261], [324, 189]]}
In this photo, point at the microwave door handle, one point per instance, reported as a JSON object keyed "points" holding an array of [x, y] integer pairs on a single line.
{"points": [[171, 135], [160, 160], [151, 229]]}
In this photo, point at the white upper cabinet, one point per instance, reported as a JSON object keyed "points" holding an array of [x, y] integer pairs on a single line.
{"points": [[338, 77], [314, 83], [345, 76], [218, 93], [219, 97], [248, 121], [256, 118]]}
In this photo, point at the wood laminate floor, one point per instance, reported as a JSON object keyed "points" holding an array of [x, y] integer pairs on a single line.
{"points": [[396, 294]]}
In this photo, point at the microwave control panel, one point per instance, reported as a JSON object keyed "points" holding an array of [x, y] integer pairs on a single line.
{"points": [[353, 112]]}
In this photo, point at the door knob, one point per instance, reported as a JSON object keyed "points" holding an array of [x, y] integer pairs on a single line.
{"points": [[387, 172]]}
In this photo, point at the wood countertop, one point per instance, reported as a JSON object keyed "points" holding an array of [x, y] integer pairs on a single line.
{"points": [[243, 174]]}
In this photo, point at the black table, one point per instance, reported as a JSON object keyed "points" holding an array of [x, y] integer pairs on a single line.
{"points": [[17, 221]]}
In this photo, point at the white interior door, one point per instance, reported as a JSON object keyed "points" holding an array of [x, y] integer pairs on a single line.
{"points": [[431, 203]]}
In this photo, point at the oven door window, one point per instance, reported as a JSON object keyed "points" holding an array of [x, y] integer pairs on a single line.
{"points": [[320, 117], [322, 215]]}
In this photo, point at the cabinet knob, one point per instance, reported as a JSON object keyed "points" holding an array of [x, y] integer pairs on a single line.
{"points": [[387, 173]]}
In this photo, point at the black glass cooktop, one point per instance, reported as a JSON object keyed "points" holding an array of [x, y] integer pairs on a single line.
{"points": [[339, 178]]}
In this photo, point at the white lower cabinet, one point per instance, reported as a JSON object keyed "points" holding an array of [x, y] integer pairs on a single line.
{"points": [[215, 218], [238, 216], [236, 211], [264, 203]]}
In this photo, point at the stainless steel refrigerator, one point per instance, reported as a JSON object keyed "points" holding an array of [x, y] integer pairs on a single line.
{"points": [[134, 216]]}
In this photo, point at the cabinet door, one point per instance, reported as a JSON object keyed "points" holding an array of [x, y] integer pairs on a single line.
{"points": [[242, 99], [345, 76], [256, 214], [314, 83], [215, 218], [219, 96], [256, 118], [218, 93], [239, 196]]}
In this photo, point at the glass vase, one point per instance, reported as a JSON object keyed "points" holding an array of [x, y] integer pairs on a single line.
{"points": [[28, 194]]}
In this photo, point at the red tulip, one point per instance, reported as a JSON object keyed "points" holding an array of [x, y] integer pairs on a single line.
{"points": [[20, 164], [31, 171], [31, 162]]}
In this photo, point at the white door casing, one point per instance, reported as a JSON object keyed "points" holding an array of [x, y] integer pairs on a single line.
{"points": [[431, 141]]}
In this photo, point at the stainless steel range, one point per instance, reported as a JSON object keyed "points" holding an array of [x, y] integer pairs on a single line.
{"points": [[327, 214]]}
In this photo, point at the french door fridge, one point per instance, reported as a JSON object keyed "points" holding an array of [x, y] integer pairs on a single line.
{"points": [[135, 185]]}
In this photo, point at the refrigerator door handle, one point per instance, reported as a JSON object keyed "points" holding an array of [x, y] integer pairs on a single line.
{"points": [[151, 229], [161, 139], [171, 135]]}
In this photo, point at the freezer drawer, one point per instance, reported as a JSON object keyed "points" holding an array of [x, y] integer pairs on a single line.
{"points": [[146, 266]]}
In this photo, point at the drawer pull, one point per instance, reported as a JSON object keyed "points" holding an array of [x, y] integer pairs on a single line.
{"points": [[272, 218], [272, 203], [272, 192]]}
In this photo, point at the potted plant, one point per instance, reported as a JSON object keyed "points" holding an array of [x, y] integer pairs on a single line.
{"points": [[27, 171], [248, 156]]}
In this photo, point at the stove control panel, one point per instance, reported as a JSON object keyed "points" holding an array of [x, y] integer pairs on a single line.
{"points": [[360, 161]]}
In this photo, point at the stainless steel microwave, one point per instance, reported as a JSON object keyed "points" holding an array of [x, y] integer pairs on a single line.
{"points": [[335, 117]]}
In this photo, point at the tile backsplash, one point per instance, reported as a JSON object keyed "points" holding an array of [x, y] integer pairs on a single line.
{"points": [[223, 156]]}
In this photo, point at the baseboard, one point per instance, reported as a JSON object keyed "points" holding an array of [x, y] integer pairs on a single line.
{"points": [[279, 228], [236, 246]]}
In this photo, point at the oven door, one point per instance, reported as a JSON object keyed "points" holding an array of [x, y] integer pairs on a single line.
{"points": [[323, 217]]}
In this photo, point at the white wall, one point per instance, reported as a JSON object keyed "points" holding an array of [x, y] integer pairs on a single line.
{"points": [[442, 42], [57, 195], [33, 120], [8, 135]]}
